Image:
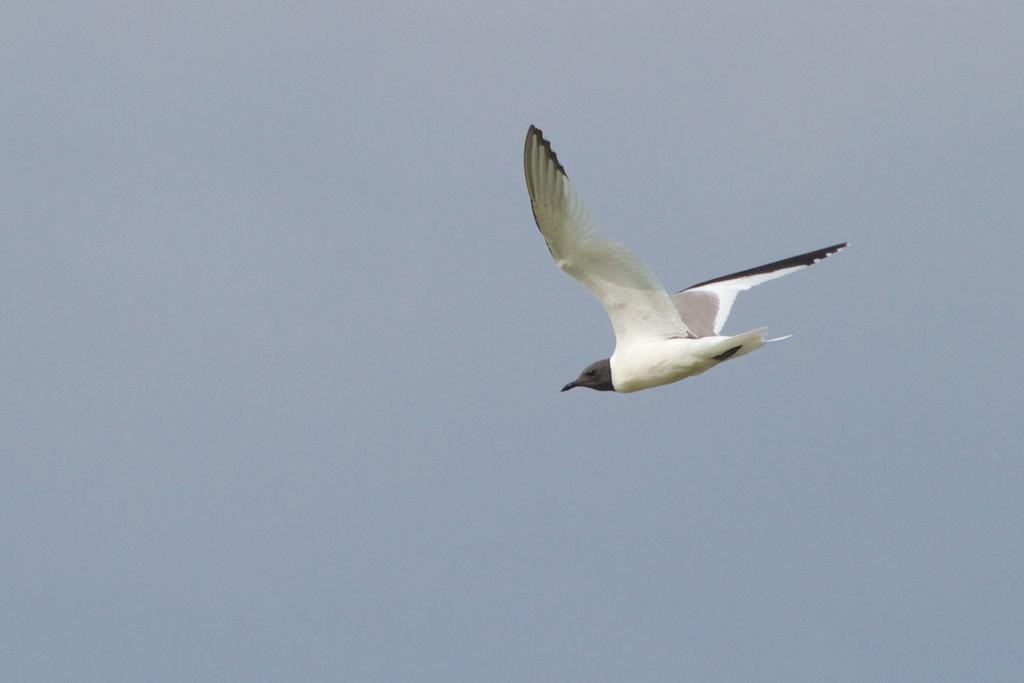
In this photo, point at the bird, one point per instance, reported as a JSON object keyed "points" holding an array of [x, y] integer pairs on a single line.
{"points": [[659, 339]]}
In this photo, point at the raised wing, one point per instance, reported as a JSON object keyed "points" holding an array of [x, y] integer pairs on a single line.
{"points": [[704, 307], [637, 304]]}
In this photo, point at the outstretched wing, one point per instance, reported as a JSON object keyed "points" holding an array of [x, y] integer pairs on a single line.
{"points": [[637, 304], [705, 306]]}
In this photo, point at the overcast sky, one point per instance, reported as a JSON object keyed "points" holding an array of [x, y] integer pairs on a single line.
{"points": [[281, 345]]}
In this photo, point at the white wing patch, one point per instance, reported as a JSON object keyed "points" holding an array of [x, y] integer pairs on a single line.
{"points": [[638, 306]]}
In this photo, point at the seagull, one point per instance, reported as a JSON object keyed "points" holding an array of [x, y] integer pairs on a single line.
{"points": [[659, 339]]}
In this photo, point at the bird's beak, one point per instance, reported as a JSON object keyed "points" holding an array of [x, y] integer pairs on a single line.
{"points": [[569, 386]]}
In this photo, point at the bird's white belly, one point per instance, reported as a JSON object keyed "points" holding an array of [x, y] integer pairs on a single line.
{"points": [[651, 364]]}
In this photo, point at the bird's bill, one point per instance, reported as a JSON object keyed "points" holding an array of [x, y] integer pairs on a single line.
{"points": [[570, 385]]}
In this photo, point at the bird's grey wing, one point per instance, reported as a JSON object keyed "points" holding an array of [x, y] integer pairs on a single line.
{"points": [[704, 307], [637, 304]]}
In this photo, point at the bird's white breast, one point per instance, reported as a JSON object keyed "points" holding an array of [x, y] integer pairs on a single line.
{"points": [[653, 363]]}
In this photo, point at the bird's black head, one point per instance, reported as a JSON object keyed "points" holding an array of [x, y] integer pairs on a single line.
{"points": [[595, 376]]}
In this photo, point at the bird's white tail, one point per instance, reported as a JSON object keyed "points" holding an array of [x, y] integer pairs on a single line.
{"points": [[740, 344]]}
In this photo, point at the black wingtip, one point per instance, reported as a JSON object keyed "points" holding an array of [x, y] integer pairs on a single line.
{"points": [[807, 259], [550, 153], [725, 355]]}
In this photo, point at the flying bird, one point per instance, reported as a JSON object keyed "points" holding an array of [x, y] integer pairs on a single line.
{"points": [[659, 339]]}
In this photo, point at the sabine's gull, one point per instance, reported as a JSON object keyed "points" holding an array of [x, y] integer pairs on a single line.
{"points": [[659, 338]]}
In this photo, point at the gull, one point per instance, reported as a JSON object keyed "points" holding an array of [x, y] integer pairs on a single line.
{"points": [[659, 339]]}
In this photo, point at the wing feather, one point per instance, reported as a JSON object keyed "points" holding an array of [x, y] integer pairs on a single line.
{"points": [[705, 307], [637, 304]]}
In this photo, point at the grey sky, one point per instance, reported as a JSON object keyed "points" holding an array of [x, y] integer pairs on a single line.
{"points": [[282, 346]]}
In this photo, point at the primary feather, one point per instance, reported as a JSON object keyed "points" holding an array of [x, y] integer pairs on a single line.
{"points": [[637, 304]]}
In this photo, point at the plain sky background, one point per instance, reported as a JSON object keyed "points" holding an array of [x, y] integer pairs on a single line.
{"points": [[281, 345]]}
